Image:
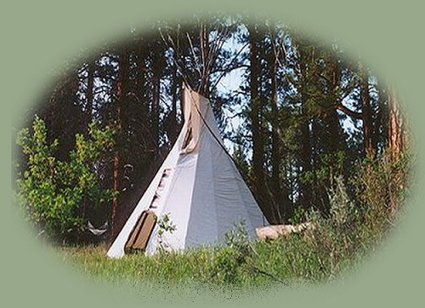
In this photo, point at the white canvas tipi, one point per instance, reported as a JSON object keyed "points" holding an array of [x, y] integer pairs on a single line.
{"points": [[199, 188]]}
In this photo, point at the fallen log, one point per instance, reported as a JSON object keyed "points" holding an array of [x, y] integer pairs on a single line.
{"points": [[275, 231]]}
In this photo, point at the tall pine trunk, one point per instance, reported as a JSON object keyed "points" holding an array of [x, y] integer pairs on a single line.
{"points": [[335, 130], [396, 131], [305, 159], [275, 154], [369, 148], [156, 88], [90, 90], [255, 115], [174, 122], [205, 59], [306, 155], [89, 111], [121, 127], [279, 190]]}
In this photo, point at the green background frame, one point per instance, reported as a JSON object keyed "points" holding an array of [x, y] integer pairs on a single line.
{"points": [[38, 38]]}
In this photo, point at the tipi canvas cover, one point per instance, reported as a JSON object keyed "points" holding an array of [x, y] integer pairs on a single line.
{"points": [[199, 188]]}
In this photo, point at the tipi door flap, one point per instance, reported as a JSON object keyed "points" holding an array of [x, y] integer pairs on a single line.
{"points": [[142, 231]]}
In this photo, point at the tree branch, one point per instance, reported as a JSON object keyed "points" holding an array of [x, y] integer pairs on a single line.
{"points": [[349, 112]]}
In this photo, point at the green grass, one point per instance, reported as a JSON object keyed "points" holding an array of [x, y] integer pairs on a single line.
{"points": [[289, 262]]}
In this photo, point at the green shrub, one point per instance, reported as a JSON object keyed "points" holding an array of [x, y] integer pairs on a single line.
{"points": [[381, 189], [54, 194], [165, 225], [229, 261]]}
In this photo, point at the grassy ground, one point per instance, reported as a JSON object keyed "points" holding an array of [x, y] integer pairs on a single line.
{"points": [[286, 262]]}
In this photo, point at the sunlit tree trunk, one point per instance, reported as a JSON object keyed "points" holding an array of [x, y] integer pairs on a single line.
{"points": [[396, 132]]}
